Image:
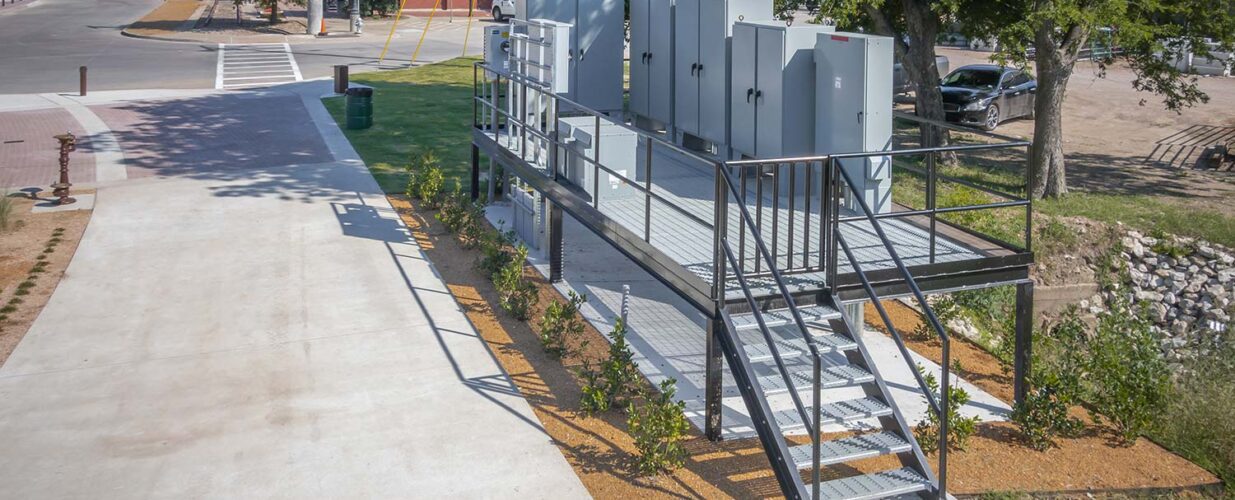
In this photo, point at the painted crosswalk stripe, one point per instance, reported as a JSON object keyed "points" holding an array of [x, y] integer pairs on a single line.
{"points": [[255, 64]]}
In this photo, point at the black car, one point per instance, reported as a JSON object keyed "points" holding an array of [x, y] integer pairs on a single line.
{"points": [[985, 95]]}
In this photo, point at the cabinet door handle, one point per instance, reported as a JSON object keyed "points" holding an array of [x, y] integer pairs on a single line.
{"points": [[700, 72], [749, 92], [693, 67], [758, 95], [644, 58], [649, 56]]}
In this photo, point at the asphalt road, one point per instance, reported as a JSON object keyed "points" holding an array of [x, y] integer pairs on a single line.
{"points": [[43, 44]]}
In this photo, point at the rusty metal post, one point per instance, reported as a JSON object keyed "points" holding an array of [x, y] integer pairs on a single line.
{"points": [[68, 144], [82, 71]]}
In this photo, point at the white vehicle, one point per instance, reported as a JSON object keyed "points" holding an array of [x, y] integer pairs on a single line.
{"points": [[503, 10]]}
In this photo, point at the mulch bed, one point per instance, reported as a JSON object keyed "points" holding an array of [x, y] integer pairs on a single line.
{"points": [[20, 247], [600, 450]]}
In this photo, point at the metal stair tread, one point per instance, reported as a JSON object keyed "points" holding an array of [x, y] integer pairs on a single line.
{"points": [[838, 412], [851, 448], [882, 484], [817, 312], [757, 351], [829, 377]]}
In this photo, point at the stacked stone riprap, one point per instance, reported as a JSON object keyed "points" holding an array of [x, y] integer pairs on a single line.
{"points": [[1186, 293]]}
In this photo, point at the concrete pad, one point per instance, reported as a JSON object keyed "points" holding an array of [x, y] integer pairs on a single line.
{"points": [[273, 332], [84, 202]]}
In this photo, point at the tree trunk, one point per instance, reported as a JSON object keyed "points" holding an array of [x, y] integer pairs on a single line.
{"points": [[274, 12], [918, 61], [1054, 63]]}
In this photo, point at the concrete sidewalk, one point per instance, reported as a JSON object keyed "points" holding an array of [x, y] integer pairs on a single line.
{"points": [[273, 331]]}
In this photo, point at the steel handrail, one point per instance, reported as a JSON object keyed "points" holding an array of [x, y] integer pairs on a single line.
{"points": [[556, 141], [767, 337], [723, 172], [941, 407], [588, 111]]}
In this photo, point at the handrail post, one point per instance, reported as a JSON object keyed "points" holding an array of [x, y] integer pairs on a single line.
{"points": [[714, 357], [816, 381], [596, 164], [930, 200], [647, 196]]}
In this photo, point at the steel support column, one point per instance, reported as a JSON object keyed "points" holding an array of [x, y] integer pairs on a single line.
{"points": [[476, 173], [1023, 353], [715, 363], [555, 242]]}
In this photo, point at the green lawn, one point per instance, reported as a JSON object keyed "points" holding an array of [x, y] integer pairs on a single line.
{"points": [[415, 109]]}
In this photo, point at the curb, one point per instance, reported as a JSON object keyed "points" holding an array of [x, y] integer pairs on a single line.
{"points": [[125, 32], [15, 8]]}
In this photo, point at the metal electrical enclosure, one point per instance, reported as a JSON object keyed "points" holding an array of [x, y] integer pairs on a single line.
{"points": [[701, 55], [651, 60], [772, 95], [597, 45], [497, 48], [853, 104]]}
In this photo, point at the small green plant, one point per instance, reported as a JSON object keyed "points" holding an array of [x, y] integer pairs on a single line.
{"points": [[1197, 421], [560, 322], [960, 428], [1043, 414], [495, 251], [464, 216], [8, 309], [427, 183], [516, 295], [615, 381], [1165, 246], [945, 309], [452, 213], [1127, 379], [659, 427]]}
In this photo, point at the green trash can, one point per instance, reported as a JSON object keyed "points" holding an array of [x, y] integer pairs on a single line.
{"points": [[359, 107]]}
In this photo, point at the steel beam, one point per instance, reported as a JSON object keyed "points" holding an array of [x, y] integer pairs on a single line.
{"points": [[475, 189], [555, 242], [713, 397], [1023, 353]]}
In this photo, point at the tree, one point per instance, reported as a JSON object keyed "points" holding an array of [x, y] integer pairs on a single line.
{"points": [[913, 26], [1053, 33]]}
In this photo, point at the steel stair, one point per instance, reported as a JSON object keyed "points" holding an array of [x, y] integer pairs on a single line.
{"points": [[891, 435], [809, 355]]}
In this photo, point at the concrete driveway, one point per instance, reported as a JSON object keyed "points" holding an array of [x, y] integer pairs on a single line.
{"points": [[260, 328]]}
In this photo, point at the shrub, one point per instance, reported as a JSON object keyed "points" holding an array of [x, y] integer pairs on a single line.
{"points": [[426, 183], [659, 426], [617, 378], [495, 251], [945, 309], [452, 213], [560, 322], [516, 295], [1044, 412], [960, 428], [464, 216], [1127, 379], [1197, 420]]}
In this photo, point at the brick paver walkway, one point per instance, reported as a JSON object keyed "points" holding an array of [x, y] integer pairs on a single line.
{"points": [[29, 156]]}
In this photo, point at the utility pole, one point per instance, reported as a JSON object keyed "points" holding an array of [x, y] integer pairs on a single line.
{"points": [[356, 22], [315, 17]]}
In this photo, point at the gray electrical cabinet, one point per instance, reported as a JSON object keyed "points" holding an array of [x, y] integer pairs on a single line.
{"points": [[598, 41], [701, 74], [772, 94], [651, 60], [853, 104]]}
